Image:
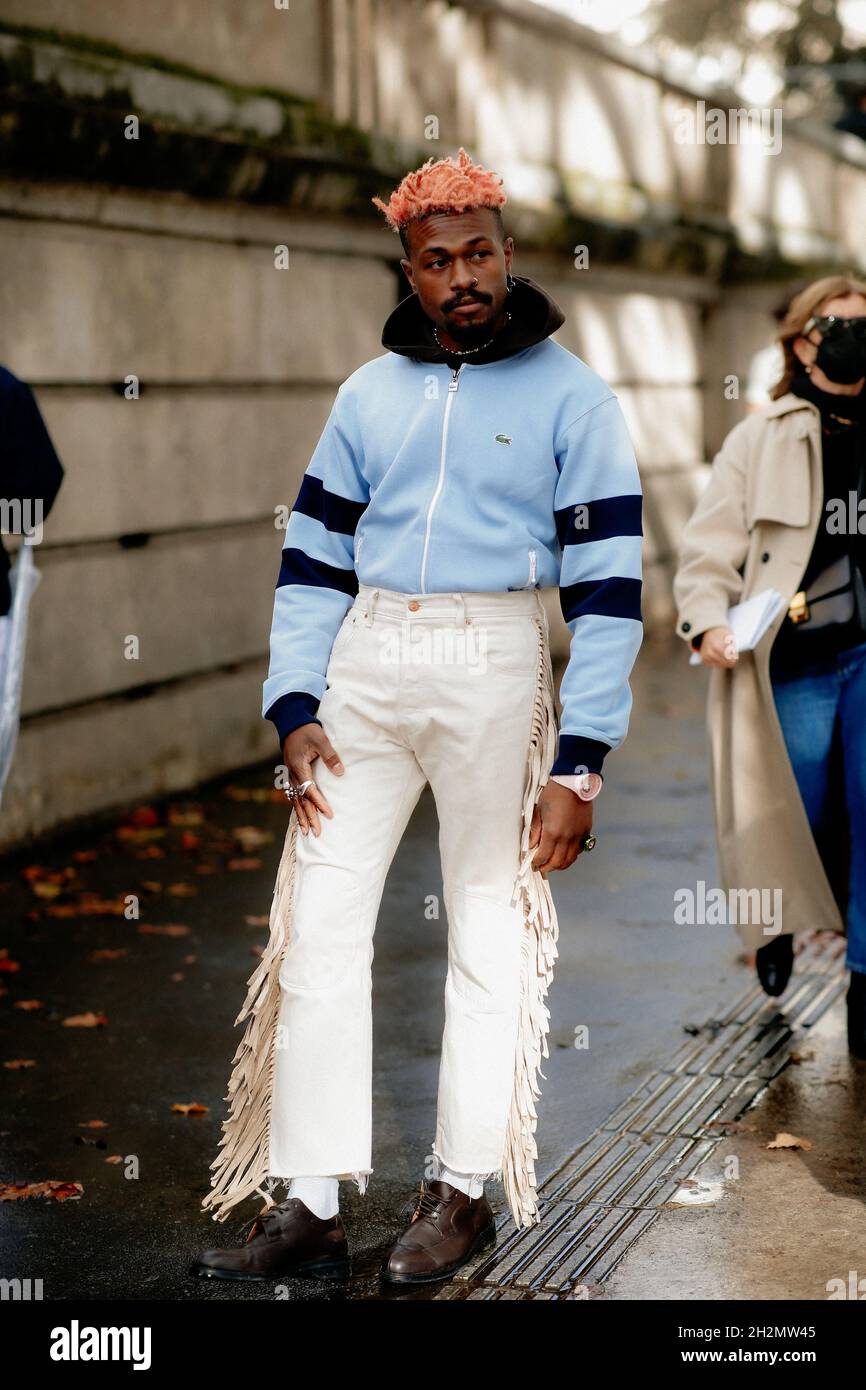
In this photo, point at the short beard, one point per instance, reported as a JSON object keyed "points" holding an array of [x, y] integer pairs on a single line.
{"points": [[470, 334]]}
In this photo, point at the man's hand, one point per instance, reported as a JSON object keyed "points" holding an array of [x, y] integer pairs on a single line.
{"points": [[300, 749], [718, 647], [559, 822]]}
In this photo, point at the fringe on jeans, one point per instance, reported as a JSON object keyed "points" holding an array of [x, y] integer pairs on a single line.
{"points": [[242, 1164], [241, 1167], [539, 953]]}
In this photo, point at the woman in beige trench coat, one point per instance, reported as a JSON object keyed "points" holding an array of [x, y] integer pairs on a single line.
{"points": [[786, 797]]}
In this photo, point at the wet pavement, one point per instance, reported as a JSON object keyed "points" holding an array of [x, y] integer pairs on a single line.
{"points": [[629, 981]]}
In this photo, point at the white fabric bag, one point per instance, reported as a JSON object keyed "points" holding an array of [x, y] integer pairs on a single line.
{"points": [[24, 578]]}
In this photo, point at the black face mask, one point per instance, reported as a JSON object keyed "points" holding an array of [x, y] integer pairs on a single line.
{"points": [[842, 356]]}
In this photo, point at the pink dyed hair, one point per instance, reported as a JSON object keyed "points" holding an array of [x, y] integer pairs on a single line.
{"points": [[442, 186]]}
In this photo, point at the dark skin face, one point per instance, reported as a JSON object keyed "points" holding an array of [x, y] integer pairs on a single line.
{"points": [[449, 252]]}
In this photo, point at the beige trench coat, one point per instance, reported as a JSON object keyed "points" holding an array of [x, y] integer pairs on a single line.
{"points": [[753, 529]]}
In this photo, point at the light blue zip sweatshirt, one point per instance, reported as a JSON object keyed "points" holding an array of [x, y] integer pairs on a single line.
{"points": [[508, 474]]}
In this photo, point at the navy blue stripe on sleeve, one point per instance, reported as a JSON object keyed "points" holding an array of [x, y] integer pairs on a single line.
{"points": [[614, 597], [577, 754], [297, 567], [336, 513], [599, 520], [291, 711]]}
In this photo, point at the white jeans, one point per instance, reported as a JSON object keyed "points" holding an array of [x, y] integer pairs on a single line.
{"points": [[438, 688]]}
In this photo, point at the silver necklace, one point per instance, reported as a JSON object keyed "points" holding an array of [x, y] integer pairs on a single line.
{"points": [[467, 352]]}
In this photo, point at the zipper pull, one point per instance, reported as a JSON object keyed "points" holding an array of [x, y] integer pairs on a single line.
{"points": [[454, 382]]}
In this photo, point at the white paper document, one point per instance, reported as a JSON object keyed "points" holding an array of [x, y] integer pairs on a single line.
{"points": [[749, 621]]}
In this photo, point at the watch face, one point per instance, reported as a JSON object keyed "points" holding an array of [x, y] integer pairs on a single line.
{"points": [[590, 786]]}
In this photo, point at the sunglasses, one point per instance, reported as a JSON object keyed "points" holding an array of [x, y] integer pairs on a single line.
{"points": [[830, 324]]}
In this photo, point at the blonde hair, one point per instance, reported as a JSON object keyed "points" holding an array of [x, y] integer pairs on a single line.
{"points": [[803, 307]]}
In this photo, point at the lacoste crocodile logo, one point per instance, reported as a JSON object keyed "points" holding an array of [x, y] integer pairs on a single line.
{"points": [[503, 439]]}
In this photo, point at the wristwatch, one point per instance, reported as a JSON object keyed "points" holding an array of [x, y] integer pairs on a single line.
{"points": [[586, 785]]}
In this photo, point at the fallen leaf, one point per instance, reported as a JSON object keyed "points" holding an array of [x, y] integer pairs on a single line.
{"points": [[151, 886], [114, 1158], [734, 1126], [44, 889], [250, 836], [84, 856], [88, 1020], [189, 840], [262, 921], [55, 1191], [789, 1141], [18, 1063], [169, 929], [152, 852], [29, 1004], [191, 1108], [92, 1124], [144, 815], [37, 873], [177, 977], [107, 953], [9, 967], [181, 890], [206, 869], [235, 864], [193, 816], [89, 904]]}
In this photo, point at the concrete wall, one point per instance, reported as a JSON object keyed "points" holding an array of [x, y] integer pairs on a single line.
{"points": [[261, 127]]}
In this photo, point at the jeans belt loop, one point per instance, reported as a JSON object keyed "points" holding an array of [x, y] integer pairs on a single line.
{"points": [[369, 608], [460, 611]]}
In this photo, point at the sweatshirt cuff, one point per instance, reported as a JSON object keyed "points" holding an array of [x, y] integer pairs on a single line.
{"points": [[576, 754], [291, 711]]}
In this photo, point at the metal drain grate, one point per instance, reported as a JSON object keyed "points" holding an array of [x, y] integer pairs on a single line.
{"points": [[604, 1196]]}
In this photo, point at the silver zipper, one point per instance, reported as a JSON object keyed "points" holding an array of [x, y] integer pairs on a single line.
{"points": [[358, 551], [533, 556], [452, 387]]}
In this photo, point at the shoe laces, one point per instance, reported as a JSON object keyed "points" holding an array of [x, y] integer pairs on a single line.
{"points": [[428, 1203], [260, 1221]]}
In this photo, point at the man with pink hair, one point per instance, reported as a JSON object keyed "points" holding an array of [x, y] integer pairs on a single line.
{"points": [[469, 466]]}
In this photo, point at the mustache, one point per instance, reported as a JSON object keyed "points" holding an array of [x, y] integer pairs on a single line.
{"points": [[467, 299]]}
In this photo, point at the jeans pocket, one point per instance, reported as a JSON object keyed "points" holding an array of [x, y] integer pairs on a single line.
{"points": [[509, 646], [346, 634]]}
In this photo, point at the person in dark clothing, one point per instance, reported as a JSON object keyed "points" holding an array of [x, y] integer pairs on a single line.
{"points": [[786, 508], [30, 471], [853, 118]]}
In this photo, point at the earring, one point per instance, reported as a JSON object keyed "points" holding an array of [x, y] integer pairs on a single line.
{"points": [[808, 371], [509, 282]]}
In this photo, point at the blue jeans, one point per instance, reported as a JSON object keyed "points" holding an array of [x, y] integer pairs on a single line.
{"points": [[822, 710]]}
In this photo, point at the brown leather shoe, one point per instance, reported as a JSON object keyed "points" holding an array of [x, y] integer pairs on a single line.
{"points": [[287, 1240], [446, 1230]]}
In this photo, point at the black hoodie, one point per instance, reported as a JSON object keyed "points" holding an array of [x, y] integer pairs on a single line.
{"points": [[534, 316]]}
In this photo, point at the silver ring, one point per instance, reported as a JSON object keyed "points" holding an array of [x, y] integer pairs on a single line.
{"points": [[302, 789], [290, 792]]}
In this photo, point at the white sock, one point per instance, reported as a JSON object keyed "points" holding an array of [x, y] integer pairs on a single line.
{"points": [[472, 1186], [321, 1196]]}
